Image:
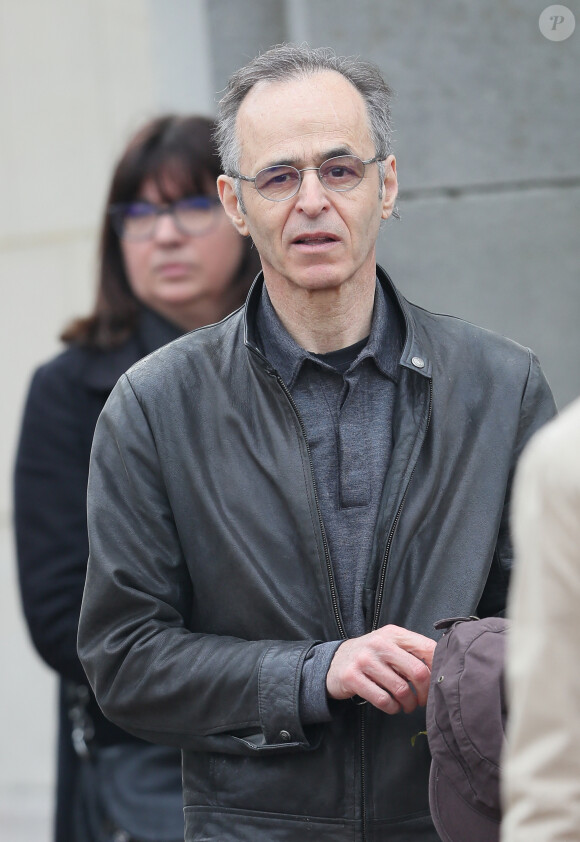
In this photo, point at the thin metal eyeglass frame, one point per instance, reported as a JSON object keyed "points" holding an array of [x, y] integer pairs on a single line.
{"points": [[305, 169], [117, 221]]}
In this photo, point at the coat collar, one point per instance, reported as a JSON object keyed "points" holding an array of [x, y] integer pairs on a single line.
{"points": [[415, 355], [104, 368]]}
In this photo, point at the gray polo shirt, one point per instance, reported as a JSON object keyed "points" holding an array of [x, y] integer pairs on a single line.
{"points": [[348, 421]]}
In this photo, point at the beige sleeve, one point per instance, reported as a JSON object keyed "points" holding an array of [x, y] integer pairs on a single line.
{"points": [[541, 769]]}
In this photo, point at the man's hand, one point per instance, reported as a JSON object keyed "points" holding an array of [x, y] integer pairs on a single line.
{"points": [[389, 667]]}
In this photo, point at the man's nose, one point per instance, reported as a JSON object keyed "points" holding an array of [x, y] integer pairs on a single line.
{"points": [[312, 197]]}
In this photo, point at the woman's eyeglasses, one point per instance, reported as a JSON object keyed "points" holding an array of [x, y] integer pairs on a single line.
{"points": [[192, 215]]}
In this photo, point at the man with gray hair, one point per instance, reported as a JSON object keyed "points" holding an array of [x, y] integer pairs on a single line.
{"points": [[281, 505]]}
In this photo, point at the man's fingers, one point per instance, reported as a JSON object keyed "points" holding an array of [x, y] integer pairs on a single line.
{"points": [[364, 675], [404, 676], [389, 667], [377, 696], [415, 644], [399, 687]]}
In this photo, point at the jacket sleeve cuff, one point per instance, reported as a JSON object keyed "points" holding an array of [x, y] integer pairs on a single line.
{"points": [[279, 694]]}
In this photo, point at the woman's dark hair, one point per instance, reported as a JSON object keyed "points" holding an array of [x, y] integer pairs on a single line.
{"points": [[170, 150]]}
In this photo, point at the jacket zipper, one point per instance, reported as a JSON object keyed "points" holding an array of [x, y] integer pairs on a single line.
{"points": [[363, 787], [375, 624], [384, 566], [333, 593]]}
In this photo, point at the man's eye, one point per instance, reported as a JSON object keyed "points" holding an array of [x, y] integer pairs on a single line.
{"points": [[279, 178], [341, 173]]}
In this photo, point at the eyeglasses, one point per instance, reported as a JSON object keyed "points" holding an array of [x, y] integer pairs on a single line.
{"points": [[281, 182], [192, 215]]}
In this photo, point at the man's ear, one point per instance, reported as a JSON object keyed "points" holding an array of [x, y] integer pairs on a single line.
{"points": [[390, 187], [228, 198]]}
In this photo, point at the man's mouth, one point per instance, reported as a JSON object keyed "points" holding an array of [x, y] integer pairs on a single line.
{"points": [[314, 239]]}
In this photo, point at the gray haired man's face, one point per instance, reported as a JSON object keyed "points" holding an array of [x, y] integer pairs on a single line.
{"points": [[318, 238]]}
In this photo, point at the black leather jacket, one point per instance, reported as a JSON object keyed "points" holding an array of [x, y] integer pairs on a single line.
{"points": [[209, 577]]}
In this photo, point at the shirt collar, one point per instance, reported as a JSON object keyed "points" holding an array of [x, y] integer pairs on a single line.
{"points": [[386, 337], [287, 356]]}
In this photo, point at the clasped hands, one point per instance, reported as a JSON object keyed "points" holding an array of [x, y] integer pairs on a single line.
{"points": [[389, 667]]}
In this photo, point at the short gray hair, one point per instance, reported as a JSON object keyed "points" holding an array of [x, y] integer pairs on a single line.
{"points": [[287, 61]]}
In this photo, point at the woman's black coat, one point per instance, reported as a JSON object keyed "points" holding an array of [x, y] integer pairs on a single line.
{"points": [[64, 401]]}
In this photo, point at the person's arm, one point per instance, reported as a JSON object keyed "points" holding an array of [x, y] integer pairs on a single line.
{"points": [[152, 672], [541, 769], [50, 481], [537, 407]]}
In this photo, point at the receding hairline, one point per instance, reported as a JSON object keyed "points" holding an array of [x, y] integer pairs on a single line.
{"points": [[287, 62], [298, 75]]}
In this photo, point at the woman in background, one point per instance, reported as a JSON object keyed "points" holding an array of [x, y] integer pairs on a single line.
{"points": [[170, 262]]}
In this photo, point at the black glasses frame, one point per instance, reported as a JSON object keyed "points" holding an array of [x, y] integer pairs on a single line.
{"points": [[117, 212]]}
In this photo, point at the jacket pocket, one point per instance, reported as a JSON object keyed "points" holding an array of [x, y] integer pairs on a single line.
{"points": [[209, 824]]}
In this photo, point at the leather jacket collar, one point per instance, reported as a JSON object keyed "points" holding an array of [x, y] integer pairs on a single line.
{"points": [[416, 355]]}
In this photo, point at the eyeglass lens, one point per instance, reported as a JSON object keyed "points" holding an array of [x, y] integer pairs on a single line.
{"points": [[192, 215], [281, 182]]}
